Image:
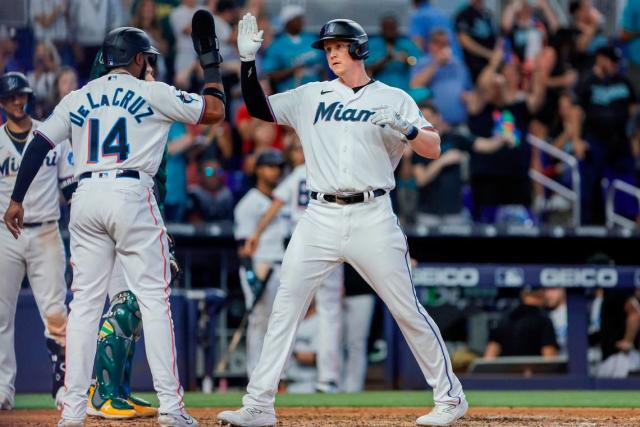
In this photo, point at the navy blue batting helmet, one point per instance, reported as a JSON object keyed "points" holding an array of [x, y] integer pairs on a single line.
{"points": [[122, 44], [270, 157], [345, 29], [14, 82]]}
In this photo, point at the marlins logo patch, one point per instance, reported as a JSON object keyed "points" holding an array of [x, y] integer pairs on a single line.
{"points": [[185, 97]]}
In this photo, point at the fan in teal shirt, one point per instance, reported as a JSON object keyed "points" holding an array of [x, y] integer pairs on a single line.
{"points": [[290, 61], [631, 29], [391, 55]]}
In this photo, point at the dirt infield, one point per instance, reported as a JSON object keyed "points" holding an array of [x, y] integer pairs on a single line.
{"points": [[307, 417]]}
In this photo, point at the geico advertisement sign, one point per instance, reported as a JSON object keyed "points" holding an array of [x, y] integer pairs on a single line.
{"points": [[446, 276], [605, 277]]}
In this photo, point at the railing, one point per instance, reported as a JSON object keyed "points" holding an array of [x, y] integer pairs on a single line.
{"points": [[572, 194], [613, 218]]}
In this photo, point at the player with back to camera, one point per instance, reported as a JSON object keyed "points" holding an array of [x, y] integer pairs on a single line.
{"points": [[39, 252], [118, 126], [353, 131]]}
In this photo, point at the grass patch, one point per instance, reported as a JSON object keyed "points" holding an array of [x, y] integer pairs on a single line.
{"points": [[600, 399]]}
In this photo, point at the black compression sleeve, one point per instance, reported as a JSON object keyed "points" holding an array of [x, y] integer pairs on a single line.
{"points": [[31, 163], [254, 97]]}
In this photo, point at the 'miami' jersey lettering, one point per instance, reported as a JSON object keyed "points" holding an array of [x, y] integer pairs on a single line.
{"points": [[334, 112]]}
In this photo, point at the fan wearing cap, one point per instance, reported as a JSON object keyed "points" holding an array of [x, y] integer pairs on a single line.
{"points": [[269, 253], [354, 131], [607, 99], [290, 61]]}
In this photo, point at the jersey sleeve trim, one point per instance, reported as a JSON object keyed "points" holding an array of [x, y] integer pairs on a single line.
{"points": [[204, 107], [37, 132]]}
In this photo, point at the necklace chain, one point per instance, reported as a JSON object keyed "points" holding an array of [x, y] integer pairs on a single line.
{"points": [[14, 138]]}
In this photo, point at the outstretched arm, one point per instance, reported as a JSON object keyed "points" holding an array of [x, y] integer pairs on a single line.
{"points": [[249, 41], [205, 43]]}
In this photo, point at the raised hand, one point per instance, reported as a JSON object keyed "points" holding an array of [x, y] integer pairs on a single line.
{"points": [[249, 38]]}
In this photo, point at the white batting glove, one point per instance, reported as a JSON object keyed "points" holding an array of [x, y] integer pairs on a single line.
{"points": [[249, 38], [386, 116]]}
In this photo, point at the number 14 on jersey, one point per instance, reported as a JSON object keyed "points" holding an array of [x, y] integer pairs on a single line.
{"points": [[114, 144]]}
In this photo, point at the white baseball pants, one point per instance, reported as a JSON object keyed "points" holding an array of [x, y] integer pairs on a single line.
{"points": [[367, 236], [119, 218], [39, 253]]}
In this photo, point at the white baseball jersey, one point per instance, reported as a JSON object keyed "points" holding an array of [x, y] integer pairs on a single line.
{"points": [[41, 202], [247, 215], [293, 192], [344, 151], [125, 137]]}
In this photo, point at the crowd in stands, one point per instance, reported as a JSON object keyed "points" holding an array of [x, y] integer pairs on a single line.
{"points": [[486, 82]]}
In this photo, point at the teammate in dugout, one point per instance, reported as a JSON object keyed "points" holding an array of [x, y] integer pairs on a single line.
{"points": [[120, 125], [39, 251], [352, 142]]}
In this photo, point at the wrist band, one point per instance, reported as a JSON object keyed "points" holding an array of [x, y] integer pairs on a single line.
{"points": [[412, 133], [215, 92]]}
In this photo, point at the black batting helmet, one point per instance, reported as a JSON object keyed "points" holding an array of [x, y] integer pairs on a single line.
{"points": [[345, 29], [14, 82], [122, 44], [270, 157]]}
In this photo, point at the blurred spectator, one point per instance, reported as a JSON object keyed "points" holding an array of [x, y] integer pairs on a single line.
{"points": [[406, 191], [49, 22], [225, 15], [476, 35], [619, 326], [46, 64], [440, 181], [391, 55], [556, 303], [301, 372], [527, 27], [211, 200], [178, 141], [588, 22], [525, 331], [446, 77], [145, 17], [65, 82], [8, 48], [359, 304], [290, 61], [630, 33], [558, 74], [180, 19], [606, 98], [499, 108], [426, 18], [89, 23]]}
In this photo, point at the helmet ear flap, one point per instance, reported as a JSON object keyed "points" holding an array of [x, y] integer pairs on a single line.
{"points": [[353, 50]]}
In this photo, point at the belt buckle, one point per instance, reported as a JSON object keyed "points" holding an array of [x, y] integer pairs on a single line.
{"points": [[341, 200]]}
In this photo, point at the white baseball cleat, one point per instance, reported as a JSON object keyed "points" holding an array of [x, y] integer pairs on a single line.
{"points": [[59, 398], [176, 420], [70, 423], [443, 414], [247, 417]]}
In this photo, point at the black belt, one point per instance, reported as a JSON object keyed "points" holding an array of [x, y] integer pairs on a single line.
{"points": [[36, 224], [346, 199], [122, 174]]}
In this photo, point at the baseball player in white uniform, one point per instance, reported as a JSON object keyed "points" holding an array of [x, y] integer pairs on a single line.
{"points": [[118, 126], [353, 131], [292, 196], [265, 261], [39, 251]]}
